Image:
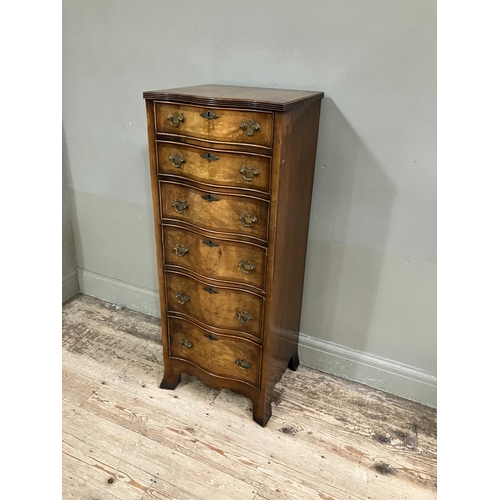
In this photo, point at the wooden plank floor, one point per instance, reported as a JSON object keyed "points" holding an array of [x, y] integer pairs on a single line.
{"points": [[124, 438]]}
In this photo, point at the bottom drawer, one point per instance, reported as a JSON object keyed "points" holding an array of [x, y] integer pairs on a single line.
{"points": [[216, 354]]}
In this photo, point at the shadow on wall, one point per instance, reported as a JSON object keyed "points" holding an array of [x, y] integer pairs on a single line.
{"points": [[66, 175], [68, 179], [351, 207]]}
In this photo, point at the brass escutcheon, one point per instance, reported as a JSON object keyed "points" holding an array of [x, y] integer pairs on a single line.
{"points": [[211, 243], [210, 336], [209, 156], [209, 115], [210, 197]]}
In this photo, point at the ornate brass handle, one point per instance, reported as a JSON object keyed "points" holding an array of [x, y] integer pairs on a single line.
{"points": [[177, 159], [248, 172], [185, 343], [175, 118], [250, 127], [182, 297], [246, 266], [180, 206], [181, 250], [244, 316], [247, 220], [242, 363]]}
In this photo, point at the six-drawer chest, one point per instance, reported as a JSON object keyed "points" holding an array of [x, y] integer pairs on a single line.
{"points": [[231, 175]]}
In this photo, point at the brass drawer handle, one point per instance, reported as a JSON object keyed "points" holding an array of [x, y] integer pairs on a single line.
{"points": [[246, 266], [248, 172], [182, 297], [244, 316], [247, 220], [209, 115], [210, 336], [180, 206], [181, 250], [250, 127], [177, 159], [186, 343], [175, 118], [209, 156], [242, 363]]}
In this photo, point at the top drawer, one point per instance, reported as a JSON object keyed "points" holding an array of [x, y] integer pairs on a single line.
{"points": [[221, 125]]}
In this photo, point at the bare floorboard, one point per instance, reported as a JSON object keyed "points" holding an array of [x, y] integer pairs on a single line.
{"points": [[124, 438]]}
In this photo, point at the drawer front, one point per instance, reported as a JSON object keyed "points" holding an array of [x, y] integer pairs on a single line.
{"points": [[213, 257], [215, 211], [224, 125], [220, 355], [214, 167], [215, 306]]}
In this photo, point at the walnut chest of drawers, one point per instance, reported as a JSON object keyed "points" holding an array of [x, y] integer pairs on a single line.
{"points": [[231, 175]]}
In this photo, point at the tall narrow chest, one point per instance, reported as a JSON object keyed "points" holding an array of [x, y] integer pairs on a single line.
{"points": [[231, 175]]}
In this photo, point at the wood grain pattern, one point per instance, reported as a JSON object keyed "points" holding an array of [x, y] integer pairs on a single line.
{"points": [[217, 354], [215, 306], [219, 262], [198, 442], [222, 215], [233, 96], [226, 128], [224, 171]]}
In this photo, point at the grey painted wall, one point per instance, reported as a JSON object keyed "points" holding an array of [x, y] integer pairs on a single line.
{"points": [[369, 310]]}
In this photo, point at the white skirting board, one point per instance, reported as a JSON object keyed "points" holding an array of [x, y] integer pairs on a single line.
{"points": [[69, 285], [119, 292], [374, 371]]}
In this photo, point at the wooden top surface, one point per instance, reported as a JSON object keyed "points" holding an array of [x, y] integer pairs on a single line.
{"points": [[231, 96]]}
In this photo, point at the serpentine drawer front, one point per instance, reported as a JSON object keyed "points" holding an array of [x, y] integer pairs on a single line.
{"points": [[221, 355], [214, 257], [219, 306], [250, 172], [215, 125], [231, 176], [215, 210]]}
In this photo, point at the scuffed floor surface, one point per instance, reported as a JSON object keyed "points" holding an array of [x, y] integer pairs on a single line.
{"points": [[124, 438]]}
